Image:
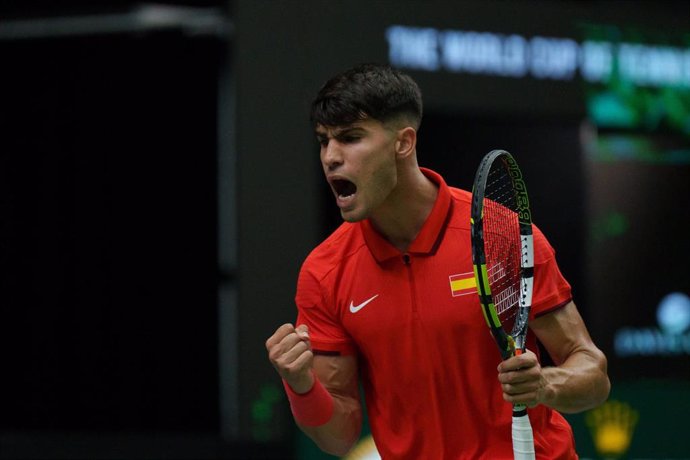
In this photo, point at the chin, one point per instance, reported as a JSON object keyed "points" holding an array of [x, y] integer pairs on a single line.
{"points": [[352, 216]]}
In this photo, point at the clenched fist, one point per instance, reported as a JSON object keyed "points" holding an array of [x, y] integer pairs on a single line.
{"points": [[289, 350]]}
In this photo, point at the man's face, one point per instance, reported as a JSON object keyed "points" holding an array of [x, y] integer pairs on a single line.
{"points": [[359, 161]]}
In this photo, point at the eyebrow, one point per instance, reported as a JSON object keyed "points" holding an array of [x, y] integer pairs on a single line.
{"points": [[338, 133]]}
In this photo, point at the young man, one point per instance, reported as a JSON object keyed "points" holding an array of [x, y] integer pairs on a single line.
{"points": [[375, 305]]}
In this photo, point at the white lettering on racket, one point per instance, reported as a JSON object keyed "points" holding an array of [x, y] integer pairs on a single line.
{"points": [[505, 298]]}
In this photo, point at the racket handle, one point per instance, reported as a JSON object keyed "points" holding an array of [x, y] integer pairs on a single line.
{"points": [[523, 439]]}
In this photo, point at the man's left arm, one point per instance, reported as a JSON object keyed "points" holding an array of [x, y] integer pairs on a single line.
{"points": [[577, 382]]}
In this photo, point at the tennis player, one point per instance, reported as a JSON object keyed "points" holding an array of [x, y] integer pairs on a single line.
{"points": [[376, 304]]}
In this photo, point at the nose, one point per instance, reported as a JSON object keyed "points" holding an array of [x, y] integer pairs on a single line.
{"points": [[331, 156]]}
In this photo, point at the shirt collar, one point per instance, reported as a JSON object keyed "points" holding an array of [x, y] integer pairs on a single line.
{"points": [[429, 236]]}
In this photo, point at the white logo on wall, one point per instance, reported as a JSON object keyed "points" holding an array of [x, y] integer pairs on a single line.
{"points": [[672, 337]]}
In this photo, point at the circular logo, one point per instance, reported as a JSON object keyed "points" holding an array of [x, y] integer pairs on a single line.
{"points": [[673, 313]]}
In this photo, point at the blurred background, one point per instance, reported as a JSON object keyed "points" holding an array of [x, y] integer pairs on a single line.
{"points": [[160, 187]]}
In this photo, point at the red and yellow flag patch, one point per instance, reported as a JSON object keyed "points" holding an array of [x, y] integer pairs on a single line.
{"points": [[462, 284]]}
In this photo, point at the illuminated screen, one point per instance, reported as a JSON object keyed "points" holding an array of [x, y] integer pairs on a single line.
{"points": [[638, 163], [637, 270]]}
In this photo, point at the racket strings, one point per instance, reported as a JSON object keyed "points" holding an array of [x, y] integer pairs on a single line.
{"points": [[503, 244]]}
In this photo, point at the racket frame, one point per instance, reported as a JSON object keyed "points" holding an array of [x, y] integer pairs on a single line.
{"points": [[513, 343]]}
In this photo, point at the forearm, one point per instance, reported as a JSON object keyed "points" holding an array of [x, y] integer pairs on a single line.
{"points": [[579, 380], [342, 431], [325, 403], [578, 384]]}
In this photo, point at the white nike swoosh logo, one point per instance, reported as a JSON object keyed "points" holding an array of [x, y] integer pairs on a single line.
{"points": [[355, 309]]}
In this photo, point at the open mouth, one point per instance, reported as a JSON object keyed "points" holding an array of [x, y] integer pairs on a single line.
{"points": [[343, 188]]}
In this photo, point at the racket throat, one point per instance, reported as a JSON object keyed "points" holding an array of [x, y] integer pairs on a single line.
{"points": [[508, 345], [505, 343]]}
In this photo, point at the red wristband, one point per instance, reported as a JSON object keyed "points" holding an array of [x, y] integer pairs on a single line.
{"points": [[313, 408]]}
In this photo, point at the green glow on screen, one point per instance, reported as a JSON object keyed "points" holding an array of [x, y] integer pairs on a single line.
{"points": [[264, 411], [647, 88], [608, 226], [636, 147]]}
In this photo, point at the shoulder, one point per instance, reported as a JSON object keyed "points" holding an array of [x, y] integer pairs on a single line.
{"points": [[462, 204], [460, 196], [321, 270], [543, 251], [345, 241]]}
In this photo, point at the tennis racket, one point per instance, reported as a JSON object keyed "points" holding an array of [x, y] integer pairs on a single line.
{"points": [[503, 258]]}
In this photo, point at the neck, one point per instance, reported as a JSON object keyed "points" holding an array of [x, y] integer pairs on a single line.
{"points": [[400, 218]]}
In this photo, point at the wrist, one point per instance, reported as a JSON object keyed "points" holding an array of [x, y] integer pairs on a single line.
{"points": [[546, 392], [312, 408], [303, 384]]}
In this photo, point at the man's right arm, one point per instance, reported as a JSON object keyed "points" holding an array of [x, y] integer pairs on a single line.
{"points": [[289, 350]]}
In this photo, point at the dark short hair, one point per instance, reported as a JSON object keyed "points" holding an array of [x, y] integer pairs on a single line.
{"points": [[367, 91]]}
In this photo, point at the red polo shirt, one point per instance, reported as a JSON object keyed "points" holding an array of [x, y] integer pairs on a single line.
{"points": [[427, 359]]}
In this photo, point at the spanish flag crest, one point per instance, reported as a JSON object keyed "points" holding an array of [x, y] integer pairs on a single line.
{"points": [[462, 284]]}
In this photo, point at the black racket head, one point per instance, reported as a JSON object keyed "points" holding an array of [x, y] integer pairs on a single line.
{"points": [[501, 245]]}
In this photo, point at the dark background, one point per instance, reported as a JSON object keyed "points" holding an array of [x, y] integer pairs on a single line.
{"points": [[161, 187]]}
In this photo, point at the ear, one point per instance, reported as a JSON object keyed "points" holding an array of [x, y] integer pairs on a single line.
{"points": [[406, 142]]}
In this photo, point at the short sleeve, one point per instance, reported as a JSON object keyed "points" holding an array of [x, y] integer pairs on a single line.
{"points": [[551, 290], [326, 332]]}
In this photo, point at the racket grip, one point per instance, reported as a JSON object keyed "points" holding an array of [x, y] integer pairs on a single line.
{"points": [[523, 438]]}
